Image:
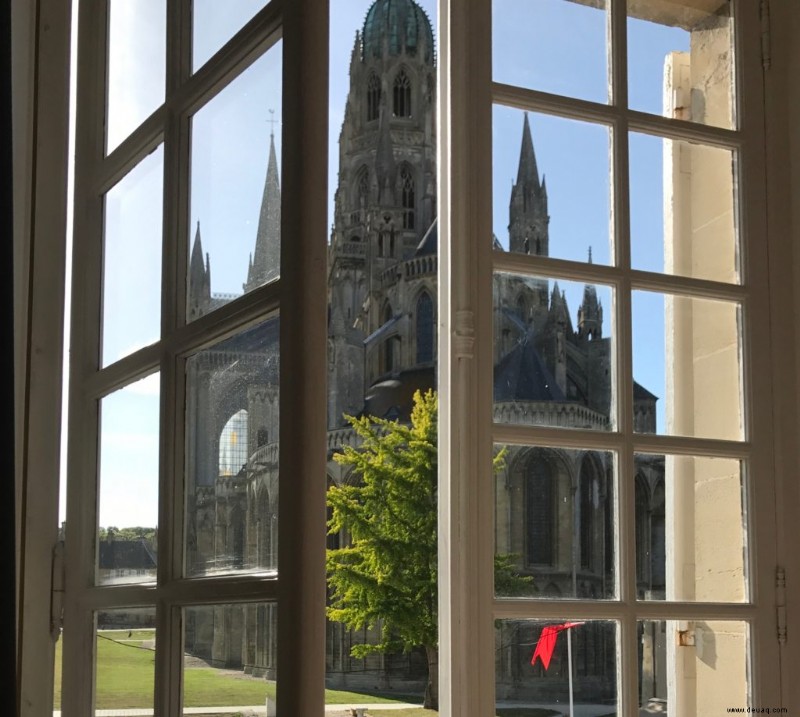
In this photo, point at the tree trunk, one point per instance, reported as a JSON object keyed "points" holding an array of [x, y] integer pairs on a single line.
{"points": [[432, 689]]}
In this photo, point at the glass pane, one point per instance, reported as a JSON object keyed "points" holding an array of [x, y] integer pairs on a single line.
{"points": [[382, 288], [549, 371], [551, 186], [132, 260], [236, 194], [534, 660], [686, 364], [690, 529], [230, 658], [683, 217], [128, 490], [551, 45], [554, 523], [126, 659], [136, 64], [215, 23], [680, 59], [693, 667], [232, 424]]}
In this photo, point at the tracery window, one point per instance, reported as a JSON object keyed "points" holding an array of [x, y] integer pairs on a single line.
{"points": [[373, 97], [425, 334], [540, 516], [402, 95]]}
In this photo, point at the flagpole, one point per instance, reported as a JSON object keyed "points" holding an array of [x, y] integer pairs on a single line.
{"points": [[569, 660]]}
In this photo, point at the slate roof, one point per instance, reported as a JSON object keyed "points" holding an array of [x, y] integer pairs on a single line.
{"points": [[640, 393], [522, 375]]}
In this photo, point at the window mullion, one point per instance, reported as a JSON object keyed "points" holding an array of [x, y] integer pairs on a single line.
{"points": [[303, 323], [466, 513]]}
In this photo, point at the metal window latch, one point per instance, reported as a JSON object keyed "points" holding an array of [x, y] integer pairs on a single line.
{"points": [[57, 591], [780, 602]]}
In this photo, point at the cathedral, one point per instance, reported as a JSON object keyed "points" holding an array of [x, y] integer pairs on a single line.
{"points": [[553, 367]]}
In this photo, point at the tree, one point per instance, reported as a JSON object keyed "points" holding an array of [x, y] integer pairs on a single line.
{"points": [[387, 574]]}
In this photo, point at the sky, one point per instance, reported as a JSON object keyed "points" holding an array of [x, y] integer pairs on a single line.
{"points": [[550, 45]]}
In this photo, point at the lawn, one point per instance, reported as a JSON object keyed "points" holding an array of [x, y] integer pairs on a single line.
{"points": [[126, 668]]}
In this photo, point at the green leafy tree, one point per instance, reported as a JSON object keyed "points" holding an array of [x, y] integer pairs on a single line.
{"points": [[387, 575]]}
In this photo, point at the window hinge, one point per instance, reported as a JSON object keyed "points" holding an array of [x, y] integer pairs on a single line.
{"points": [[780, 602], [766, 39], [57, 592]]}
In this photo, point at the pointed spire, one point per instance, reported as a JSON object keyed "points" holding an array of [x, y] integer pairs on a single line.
{"points": [[265, 262], [527, 172], [199, 278], [590, 253]]}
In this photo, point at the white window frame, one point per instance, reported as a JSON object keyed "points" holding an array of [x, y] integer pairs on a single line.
{"points": [[41, 77], [467, 606], [299, 589]]}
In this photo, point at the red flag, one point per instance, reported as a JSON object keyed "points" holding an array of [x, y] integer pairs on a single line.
{"points": [[547, 642]]}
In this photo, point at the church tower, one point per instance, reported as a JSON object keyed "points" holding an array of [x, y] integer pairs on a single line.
{"points": [[385, 199], [528, 219]]}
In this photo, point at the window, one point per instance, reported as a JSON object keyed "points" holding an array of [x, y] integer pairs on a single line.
{"points": [[733, 299], [373, 97], [402, 95], [425, 328]]}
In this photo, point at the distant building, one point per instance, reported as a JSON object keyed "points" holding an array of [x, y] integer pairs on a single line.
{"points": [[554, 508]]}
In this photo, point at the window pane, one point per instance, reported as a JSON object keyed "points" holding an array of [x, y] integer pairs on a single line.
{"points": [[132, 260], [236, 194], [693, 667], [690, 529], [128, 490], [382, 289], [680, 59], [551, 45], [232, 423], [230, 657], [533, 660], [126, 659], [686, 363], [551, 180], [136, 64], [683, 218], [215, 23], [549, 371], [554, 523]]}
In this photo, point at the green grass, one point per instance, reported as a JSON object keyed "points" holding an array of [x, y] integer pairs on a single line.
{"points": [[126, 670]]}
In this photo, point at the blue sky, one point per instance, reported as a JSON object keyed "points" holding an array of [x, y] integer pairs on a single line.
{"points": [[551, 45]]}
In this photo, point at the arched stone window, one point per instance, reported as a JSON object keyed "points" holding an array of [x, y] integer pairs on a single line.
{"points": [[402, 95], [373, 97], [425, 335], [589, 498], [408, 197], [233, 445], [540, 492]]}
